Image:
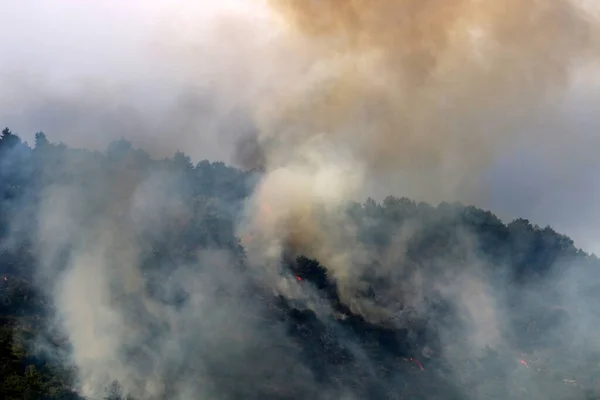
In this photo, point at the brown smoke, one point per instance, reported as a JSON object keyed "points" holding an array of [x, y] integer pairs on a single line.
{"points": [[424, 84], [420, 94]]}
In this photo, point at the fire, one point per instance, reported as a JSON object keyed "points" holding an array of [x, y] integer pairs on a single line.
{"points": [[247, 239], [417, 363], [266, 210]]}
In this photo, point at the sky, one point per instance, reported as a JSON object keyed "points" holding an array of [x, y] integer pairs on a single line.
{"points": [[90, 72]]}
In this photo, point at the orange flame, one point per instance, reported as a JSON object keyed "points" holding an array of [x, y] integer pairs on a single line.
{"points": [[418, 363], [247, 239]]}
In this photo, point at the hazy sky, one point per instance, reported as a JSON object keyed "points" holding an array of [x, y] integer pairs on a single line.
{"points": [[87, 72], [90, 72]]}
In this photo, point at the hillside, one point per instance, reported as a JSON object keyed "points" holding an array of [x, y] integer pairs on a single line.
{"points": [[448, 303]]}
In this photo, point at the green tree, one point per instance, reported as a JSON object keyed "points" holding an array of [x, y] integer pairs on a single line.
{"points": [[41, 141], [32, 377], [8, 139], [115, 392]]}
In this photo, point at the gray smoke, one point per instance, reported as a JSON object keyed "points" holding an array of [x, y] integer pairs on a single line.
{"points": [[336, 101]]}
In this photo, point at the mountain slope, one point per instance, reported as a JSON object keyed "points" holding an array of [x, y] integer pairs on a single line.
{"points": [[449, 303]]}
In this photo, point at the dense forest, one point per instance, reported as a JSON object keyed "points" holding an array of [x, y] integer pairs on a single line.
{"points": [[424, 261]]}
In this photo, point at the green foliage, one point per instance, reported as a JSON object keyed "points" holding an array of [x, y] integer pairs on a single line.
{"points": [[8, 140], [25, 377]]}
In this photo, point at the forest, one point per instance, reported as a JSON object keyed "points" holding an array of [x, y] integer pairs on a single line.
{"points": [[445, 279]]}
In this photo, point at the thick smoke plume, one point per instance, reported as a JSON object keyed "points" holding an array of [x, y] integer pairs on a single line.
{"points": [[436, 85], [416, 95], [334, 101]]}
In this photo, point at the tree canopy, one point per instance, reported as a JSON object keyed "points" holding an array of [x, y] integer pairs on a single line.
{"points": [[202, 206]]}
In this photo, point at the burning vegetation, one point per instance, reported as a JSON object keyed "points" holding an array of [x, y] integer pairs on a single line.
{"points": [[409, 321], [128, 276]]}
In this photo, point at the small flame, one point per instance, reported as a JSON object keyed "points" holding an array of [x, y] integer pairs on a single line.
{"points": [[266, 209], [298, 278], [418, 363], [524, 363]]}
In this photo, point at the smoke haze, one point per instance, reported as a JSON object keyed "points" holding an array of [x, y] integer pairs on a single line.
{"points": [[433, 89], [334, 101], [422, 94]]}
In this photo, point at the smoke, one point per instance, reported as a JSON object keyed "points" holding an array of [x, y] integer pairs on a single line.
{"points": [[159, 118], [192, 325], [125, 73], [413, 96], [435, 87], [334, 101]]}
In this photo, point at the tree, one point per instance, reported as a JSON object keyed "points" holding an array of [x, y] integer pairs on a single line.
{"points": [[8, 139], [180, 160], [119, 149], [5, 133], [115, 392], [41, 140], [32, 376], [33, 383]]}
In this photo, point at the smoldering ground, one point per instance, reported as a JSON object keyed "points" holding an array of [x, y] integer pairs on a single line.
{"points": [[348, 95]]}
